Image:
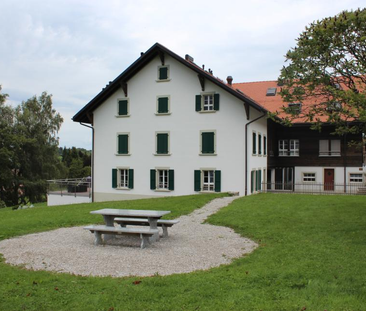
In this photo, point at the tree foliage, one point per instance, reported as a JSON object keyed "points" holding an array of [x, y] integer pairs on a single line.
{"points": [[77, 160], [28, 149], [327, 70]]}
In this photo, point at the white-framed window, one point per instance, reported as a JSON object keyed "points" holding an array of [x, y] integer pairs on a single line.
{"points": [[122, 178], [163, 73], [294, 147], [288, 147], [355, 178], [123, 107], [163, 105], [208, 102], [329, 148], [162, 179], [308, 177], [283, 147], [208, 180]]}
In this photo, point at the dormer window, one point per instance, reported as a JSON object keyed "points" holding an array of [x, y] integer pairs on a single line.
{"points": [[271, 91]]}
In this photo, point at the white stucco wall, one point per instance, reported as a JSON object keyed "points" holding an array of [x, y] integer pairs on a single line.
{"points": [[183, 124]]}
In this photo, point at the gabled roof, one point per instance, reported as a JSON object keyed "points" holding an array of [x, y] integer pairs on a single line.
{"points": [[84, 115]]}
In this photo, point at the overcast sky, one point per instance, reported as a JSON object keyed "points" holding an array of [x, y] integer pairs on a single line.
{"points": [[73, 48]]}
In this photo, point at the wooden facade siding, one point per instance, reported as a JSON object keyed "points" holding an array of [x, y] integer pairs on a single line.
{"points": [[351, 155]]}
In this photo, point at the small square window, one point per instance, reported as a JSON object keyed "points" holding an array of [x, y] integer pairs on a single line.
{"points": [[123, 107], [163, 105], [355, 178]]}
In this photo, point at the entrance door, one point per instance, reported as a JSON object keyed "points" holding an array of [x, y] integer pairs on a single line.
{"points": [[329, 179]]}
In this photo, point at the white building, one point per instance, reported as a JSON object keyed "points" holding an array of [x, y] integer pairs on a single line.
{"points": [[168, 127]]}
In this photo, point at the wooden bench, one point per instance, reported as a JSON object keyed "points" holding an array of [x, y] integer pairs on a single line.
{"points": [[144, 222], [144, 233]]}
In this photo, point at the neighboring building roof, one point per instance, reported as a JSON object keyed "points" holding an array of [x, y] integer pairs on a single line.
{"points": [[85, 114]]}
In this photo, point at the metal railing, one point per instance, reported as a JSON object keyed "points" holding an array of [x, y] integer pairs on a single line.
{"points": [[315, 188], [74, 186]]}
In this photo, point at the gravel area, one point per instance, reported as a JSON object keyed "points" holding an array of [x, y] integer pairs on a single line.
{"points": [[190, 246]]}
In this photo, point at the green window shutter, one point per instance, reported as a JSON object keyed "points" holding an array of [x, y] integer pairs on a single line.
{"points": [[198, 103], [114, 178], [254, 143], [163, 105], [259, 144], [123, 144], [265, 145], [252, 181], [208, 142], [217, 181], [171, 179], [162, 143], [260, 180], [130, 178], [152, 179], [197, 180], [163, 73], [217, 101], [122, 108]]}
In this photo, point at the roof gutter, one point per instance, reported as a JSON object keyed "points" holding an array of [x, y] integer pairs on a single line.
{"points": [[246, 150], [92, 161]]}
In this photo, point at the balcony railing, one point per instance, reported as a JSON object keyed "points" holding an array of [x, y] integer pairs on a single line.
{"points": [[315, 188], [78, 187]]}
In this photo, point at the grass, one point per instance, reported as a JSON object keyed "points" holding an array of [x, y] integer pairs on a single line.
{"points": [[311, 255]]}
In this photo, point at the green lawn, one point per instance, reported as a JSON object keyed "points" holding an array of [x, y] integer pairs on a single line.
{"points": [[312, 255]]}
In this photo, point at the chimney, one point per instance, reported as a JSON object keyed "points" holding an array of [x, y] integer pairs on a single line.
{"points": [[189, 58], [229, 80]]}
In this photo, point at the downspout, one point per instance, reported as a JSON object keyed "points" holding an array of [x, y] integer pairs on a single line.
{"points": [[246, 151], [92, 164]]}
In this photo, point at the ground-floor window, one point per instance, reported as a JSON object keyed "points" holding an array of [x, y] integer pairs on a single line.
{"points": [[162, 179], [355, 178], [309, 177], [207, 180], [122, 178]]}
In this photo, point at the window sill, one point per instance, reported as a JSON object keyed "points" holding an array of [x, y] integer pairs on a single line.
{"points": [[332, 156], [163, 113], [123, 116], [122, 188], [207, 111], [207, 154], [289, 156], [165, 80], [162, 190], [206, 191], [123, 155], [162, 154]]}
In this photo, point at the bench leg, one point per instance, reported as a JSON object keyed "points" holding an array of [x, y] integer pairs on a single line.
{"points": [[153, 225], [165, 231], [98, 238], [144, 240], [122, 225]]}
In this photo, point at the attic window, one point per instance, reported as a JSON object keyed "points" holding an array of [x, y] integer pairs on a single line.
{"points": [[294, 108], [271, 91]]}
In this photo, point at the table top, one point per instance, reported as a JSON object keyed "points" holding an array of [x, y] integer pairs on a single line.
{"points": [[130, 213]]}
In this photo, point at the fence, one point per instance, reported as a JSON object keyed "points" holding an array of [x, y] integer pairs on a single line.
{"points": [[78, 187], [315, 188]]}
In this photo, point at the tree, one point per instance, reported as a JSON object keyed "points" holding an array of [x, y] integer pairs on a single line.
{"points": [[327, 73], [28, 149]]}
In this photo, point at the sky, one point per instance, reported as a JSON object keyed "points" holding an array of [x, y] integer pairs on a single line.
{"points": [[73, 48]]}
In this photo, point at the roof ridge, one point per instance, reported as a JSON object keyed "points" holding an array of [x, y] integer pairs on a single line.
{"points": [[255, 82]]}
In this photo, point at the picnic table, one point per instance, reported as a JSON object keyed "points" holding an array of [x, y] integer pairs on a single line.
{"points": [[109, 214]]}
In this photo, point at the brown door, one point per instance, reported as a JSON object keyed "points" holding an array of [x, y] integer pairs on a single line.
{"points": [[328, 179]]}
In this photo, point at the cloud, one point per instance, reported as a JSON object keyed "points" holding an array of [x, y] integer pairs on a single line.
{"points": [[73, 48]]}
